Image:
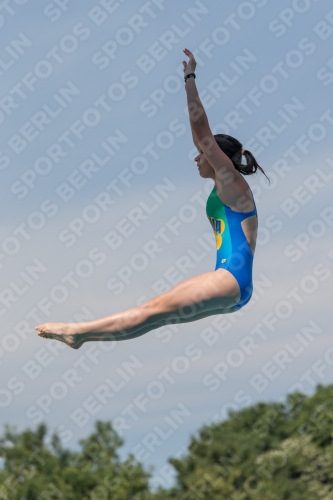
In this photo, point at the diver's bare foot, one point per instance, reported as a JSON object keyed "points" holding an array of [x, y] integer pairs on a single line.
{"points": [[65, 332]]}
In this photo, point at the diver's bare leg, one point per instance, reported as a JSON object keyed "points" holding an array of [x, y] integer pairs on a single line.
{"points": [[217, 290]]}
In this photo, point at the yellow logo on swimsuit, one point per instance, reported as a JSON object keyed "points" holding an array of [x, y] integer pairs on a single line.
{"points": [[218, 226]]}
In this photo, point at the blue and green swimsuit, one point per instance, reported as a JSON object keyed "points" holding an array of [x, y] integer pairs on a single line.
{"points": [[233, 250]]}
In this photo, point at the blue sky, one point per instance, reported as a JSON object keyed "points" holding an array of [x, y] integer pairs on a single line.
{"points": [[275, 65]]}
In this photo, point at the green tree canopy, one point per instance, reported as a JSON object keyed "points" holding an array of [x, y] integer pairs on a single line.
{"points": [[33, 471], [269, 451]]}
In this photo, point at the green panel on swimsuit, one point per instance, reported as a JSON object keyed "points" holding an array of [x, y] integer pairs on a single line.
{"points": [[215, 210]]}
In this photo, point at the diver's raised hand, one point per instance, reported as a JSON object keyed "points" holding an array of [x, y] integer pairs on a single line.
{"points": [[189, 67]]}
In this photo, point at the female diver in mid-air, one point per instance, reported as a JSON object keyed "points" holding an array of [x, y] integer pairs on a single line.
{"points": [[232, 213]]}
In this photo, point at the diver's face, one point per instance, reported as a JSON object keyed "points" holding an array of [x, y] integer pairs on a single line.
{"points": [[206, 171]]}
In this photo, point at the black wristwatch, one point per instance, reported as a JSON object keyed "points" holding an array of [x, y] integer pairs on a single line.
{"points": [[188, 76]]}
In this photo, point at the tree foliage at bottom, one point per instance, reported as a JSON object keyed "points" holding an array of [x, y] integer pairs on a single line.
{"points": [[269, 451]]}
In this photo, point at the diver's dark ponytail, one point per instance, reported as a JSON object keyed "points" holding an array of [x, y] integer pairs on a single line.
{"points": [[251, 165], [233, 149]]}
